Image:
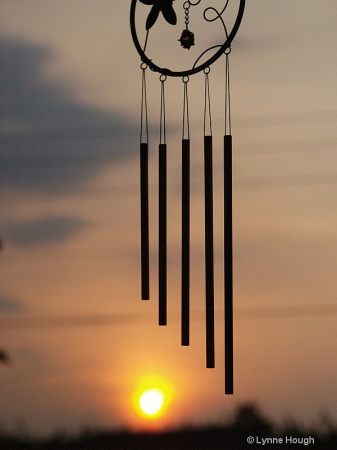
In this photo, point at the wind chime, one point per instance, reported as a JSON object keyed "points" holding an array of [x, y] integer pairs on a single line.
{"points": [[159, 10]]}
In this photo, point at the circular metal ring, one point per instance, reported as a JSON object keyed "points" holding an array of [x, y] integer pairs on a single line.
{"points": [[171, 73], [143, 66], [163, 78], [186, 79], [207, 70]]}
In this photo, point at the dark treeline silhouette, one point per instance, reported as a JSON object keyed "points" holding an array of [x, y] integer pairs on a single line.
{"points": [[249, 428]]}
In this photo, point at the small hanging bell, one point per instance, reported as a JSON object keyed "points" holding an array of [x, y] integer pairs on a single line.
{"points": [[186, 39]]}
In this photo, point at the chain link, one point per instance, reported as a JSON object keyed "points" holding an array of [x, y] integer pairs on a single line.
{"points": [[186, 7]]}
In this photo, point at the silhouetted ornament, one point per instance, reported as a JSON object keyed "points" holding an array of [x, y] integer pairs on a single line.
{"points": [[201, 63], [186, 39], [165, 6]]}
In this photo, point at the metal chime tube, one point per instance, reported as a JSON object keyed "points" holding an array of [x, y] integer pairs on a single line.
{"points": [[162, 274], [185, 222], [144, 189], [162, 236], [209, 263], [228, 240], [144, 192], [209, 259], [185, 254]]}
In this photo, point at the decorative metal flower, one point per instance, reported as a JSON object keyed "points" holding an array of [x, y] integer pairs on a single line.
{"points": [[165, 6]]}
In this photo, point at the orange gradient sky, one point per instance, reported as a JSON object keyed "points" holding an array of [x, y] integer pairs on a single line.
{"points": [[70, 220]]}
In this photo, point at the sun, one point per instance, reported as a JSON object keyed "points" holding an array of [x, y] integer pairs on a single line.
{"points": [[151, 402], [152, 398]]}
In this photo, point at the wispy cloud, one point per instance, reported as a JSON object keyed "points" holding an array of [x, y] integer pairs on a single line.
{"points": [[10, 305], [48, 136], [43, 230]]}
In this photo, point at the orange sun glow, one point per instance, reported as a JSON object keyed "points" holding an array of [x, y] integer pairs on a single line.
{"points": [[152, 397]]}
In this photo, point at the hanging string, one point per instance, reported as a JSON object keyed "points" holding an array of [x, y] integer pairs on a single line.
{"points": [[144, 189], [143, 113], [207, 105], [228, 239], [162, 131], [185, 221], [162, 210], [228, 122], [209, 259], [186, 119]]}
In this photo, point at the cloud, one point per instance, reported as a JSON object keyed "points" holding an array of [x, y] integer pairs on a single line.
{"points": [[9, 305], [44, 230], [50, 138]]}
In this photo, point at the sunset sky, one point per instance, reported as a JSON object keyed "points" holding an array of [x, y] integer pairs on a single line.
{"points": [[82, 343]]}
